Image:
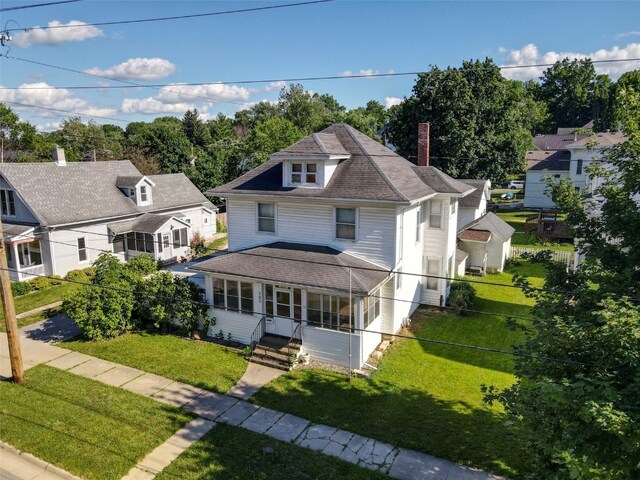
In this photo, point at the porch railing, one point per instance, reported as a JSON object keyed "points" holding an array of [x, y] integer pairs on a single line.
{"points": [[257, 334], [293, 340], [26, 273]]}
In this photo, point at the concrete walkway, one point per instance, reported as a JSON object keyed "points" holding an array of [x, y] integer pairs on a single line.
{"points": [[254, 378], [17, 465], [214, 407], [39, 309]]}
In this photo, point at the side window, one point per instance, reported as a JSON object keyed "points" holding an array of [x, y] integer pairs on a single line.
{"points": [[143, 194], [345, 228], [579, 167], [418, 225], [82, 249], [435, 214], [267, 217]]}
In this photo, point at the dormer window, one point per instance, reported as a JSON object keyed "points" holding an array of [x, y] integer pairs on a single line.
{"points": [[143, 194], [304, 173]]}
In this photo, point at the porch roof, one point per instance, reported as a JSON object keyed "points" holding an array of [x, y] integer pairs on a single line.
{"points": [[13, 232], [482, 236], [146, 223], [311, 266]]}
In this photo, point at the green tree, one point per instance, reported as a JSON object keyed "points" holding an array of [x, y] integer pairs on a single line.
{"points": [[304, 110], [626, 102], [477, 130], [580, 418], [271, 136], [195, 129], [103, 308]]}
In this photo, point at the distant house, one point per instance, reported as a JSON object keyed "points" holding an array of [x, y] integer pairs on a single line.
{"points": [[59, 216], [570, 161], [333, 242], [474, 205], [487, 241]]}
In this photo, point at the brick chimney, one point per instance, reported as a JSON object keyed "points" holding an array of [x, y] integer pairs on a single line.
{"points": [[423, 144]]}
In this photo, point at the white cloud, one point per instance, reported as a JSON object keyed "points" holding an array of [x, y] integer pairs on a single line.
{"points": [[366, 73], [391, 101], [152, 105], [530, 54], [48, 127], [52, 98], [177, 93], [137, 69], [78, 32], [275, 86], [634, 33]]}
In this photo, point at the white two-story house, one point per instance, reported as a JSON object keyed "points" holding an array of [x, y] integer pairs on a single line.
{"points": [[570, 162], [60, 216], [330, 242]]}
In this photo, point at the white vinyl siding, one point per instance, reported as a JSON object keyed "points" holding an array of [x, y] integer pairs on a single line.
{"points": [[331, 346]]}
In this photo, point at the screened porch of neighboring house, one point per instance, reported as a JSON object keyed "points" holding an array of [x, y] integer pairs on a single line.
{"points": [[166, 238], [24, 253]]}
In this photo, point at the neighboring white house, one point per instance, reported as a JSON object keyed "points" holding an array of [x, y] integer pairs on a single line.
{"points": [[329, 242], [487, 240], [571, 161], [59, 216], [474, 205]]}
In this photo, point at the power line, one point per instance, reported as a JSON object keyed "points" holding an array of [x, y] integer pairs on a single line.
{"points": [[176, 17], [311, 323], [64, 111], [126, 82], [22, 7], [314, 78]]}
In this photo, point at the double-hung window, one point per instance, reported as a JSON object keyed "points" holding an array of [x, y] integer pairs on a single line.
{"points": [[233, 295], [435, 214], [304, 173], [82, 249], [8, 202], [346, 223], [267, 217], [143, 194], [433, 272], [579, 167]]}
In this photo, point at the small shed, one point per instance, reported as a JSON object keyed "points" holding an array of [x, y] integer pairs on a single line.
{"points": [[487, 240]]}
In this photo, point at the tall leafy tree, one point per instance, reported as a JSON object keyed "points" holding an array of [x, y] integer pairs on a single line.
{"points": [[271, 136], [581, 417], [195, 129], [304, 110], [477, 129]]}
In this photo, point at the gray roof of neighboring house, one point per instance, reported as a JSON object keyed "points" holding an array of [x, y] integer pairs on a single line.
{"points": [[491, 222], [373, 172], [474, 199], [299, 264], [87, 191], [603, 139], [556, 142], [558, 160]]}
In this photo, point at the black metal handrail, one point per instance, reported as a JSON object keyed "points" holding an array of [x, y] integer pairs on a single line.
{"points": [[291, 340], [257, 334]]}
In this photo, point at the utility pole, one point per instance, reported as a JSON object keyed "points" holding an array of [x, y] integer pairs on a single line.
{"points": [[13, 335]]}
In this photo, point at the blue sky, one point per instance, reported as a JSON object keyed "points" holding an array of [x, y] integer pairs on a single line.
{"points": [[324, 39]]}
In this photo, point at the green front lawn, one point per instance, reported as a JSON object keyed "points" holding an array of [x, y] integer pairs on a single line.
{"points": [[202, 364], [425, 396], [89, 429], [228, 452], [25, 303], [516, 219], [217, 244]]}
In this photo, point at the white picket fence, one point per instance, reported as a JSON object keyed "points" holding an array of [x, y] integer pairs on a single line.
{"points": [[558, 255]]}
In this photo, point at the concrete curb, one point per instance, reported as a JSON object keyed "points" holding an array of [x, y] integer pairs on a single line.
{"points": [[58, 472]]}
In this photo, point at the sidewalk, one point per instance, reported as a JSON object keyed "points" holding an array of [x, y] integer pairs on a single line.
{"points": [[17, 465]]}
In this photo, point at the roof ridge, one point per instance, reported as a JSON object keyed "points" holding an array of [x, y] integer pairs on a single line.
{"points": [[354, 276], [375, 165], [318, 141]]}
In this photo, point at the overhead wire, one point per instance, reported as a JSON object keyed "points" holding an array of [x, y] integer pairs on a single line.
{"points": [[36, 5], [176, 17], [308, 322]]}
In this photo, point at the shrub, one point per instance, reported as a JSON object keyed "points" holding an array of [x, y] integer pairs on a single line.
{"points": [[82, 275], [20, 288], [103, 312], [141, 266], [220, 228], [198, 246], [462, 297], [40, 283], [163, 301]]}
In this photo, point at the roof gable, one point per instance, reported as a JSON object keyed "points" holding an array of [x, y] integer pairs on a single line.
{"points": [[492, 223]]}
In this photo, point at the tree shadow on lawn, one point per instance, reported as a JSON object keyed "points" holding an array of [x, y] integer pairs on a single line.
{"points": [[406, 417]]}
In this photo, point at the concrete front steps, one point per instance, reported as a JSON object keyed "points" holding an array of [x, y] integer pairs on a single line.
{"points": [[273, 351]]}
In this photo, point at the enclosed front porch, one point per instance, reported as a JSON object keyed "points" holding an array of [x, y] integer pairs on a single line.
{"points": [[23, 251]]}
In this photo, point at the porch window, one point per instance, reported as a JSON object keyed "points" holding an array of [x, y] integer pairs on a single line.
{"points": [[346, 223], [82, 249], [452, 206], [118, 243], [159, 242], [435, 214], [176, 238], [329, 311], [131, 241], [233, 295], [433, 269], [371, 307], [180, 237], [267, 217], [29, 254], [8, 202], [297, 303]]}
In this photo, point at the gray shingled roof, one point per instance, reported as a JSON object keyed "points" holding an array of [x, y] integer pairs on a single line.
{"points": [[373, 172], [87, 191], [474, 199], [491, 222], [317, 144], [603, 139], [299, 264], [559, 160], [556, 142], [128, 181], [12, 230]]}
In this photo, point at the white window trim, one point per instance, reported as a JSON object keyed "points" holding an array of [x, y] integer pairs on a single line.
{"points": [[6, 197], [453, 206], [357, 225], [441, 227], [426, 272], [86, 250], [303, 174], [275, 219], [418, 226]]}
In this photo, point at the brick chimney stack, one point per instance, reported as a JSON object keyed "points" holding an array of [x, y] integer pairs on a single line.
{"points": [[423, 144]]}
